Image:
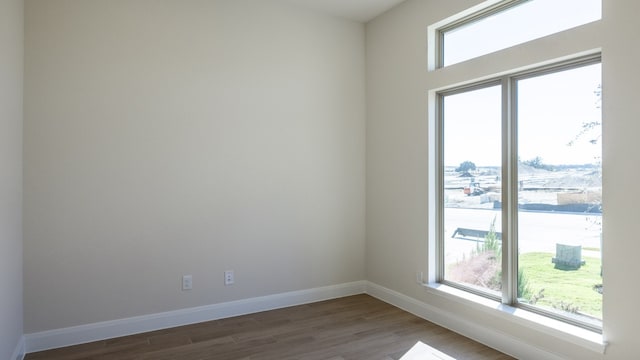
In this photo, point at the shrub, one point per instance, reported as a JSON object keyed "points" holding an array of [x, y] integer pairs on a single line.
{"points": [[491, 241]]}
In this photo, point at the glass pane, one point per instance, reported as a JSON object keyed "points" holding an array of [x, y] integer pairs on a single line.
{"points": [[528, 21], [560, 192], [472, 193]]}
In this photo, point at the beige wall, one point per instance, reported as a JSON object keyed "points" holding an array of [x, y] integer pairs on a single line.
{"points": [[11, 59], [397, 82], [177, 137]]}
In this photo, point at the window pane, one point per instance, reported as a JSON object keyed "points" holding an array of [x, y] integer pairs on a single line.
{"points": [[560, 192], [528, 21], [472, 170]]}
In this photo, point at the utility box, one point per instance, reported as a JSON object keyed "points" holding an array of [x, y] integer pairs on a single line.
{"points": [[568, 256]]}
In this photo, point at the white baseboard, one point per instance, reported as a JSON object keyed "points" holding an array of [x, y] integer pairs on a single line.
{"points": [[115, 328], [503, 342], [109, 329], [19, 352]]}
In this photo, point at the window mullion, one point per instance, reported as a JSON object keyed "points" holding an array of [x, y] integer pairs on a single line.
{"points": [[509, 192]]}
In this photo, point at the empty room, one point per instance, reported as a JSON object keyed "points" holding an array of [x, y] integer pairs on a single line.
{"points": [[318, 179]]}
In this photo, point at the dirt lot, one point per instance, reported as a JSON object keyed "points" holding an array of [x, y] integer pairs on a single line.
{"points": [[536, 186]]}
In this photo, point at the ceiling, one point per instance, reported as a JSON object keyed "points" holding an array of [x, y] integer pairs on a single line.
{"points": [[356, 10]]}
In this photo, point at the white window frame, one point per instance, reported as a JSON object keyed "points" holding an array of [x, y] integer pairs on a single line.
{"points": [[509, 211]]}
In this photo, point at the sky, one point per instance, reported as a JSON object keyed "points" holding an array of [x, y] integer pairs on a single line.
{"points": [[551, 108]]}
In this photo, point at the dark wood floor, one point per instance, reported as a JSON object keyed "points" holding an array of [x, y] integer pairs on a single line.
{"points": [[354, 327]]}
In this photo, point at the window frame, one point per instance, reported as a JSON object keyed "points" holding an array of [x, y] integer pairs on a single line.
{"points": [[468, 17], [439, 130], [490, 10], [509, 183]]}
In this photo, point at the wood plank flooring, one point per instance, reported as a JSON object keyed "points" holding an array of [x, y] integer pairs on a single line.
{"points": [[354, 327]]}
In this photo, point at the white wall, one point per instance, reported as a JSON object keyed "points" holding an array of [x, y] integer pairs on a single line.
{"points": [[397, 84], [11, 65], [177, 137]]}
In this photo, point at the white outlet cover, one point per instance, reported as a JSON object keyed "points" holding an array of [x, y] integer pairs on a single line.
{"points": [[228, 277], [187, 282]]}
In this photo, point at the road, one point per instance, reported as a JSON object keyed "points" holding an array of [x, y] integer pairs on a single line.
{"points": [[538, 231]]}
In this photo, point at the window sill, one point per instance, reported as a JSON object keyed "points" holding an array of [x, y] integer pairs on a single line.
{"points": [[573, 334]]}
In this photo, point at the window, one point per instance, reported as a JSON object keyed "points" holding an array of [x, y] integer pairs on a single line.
{"points": [[472, 123], [515, 160], [520, 190], [524, 20]]}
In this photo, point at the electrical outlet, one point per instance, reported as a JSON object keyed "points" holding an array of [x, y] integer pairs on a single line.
{"points": [[228, 277], [187, 282]]}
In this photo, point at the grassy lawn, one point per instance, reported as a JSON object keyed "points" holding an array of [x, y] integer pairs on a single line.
{"points": [[570, 286]]}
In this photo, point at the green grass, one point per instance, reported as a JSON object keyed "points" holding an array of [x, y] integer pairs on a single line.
{"points": [[575, 287]]}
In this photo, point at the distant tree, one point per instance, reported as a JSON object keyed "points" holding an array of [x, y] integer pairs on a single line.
{"points": [[537, 163], [466, 166]]}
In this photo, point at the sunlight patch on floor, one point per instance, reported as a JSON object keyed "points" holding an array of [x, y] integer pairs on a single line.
{"points": [[422, 351]]}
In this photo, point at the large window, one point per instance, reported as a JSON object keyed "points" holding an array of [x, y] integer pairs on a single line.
{"points": [[520, 189]]}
